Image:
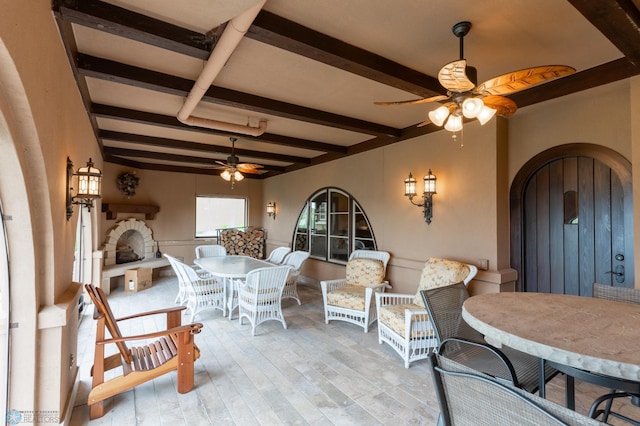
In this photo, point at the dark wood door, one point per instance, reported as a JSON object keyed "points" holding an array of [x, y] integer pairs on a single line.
{"points": [[575, 224]]}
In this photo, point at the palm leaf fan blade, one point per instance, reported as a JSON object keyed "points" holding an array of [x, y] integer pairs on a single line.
{"points": [[523, 79]]}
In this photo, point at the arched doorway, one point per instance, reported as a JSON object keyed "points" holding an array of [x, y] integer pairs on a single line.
{"points": [[571, 220]]}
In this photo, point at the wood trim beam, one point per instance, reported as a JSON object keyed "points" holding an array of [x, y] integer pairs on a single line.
{"points": [[104, 69], [119, 21], [618, 20], [196, 146], [153, 155], [151, 119], [173, 169], [280, 32]]}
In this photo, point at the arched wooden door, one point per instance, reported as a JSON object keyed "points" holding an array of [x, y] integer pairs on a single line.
{"points": [[571, 221]]}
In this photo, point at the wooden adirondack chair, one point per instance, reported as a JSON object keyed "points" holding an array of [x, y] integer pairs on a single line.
{"points": [[173, 349]]}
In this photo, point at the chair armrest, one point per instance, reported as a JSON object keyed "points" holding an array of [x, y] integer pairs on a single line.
{"points": [[156, 312], [383, 299], [330, 285], [189, 328], [377, 286]]}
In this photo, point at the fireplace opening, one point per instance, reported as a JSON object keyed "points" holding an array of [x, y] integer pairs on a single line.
{"points": [[130, 247]]}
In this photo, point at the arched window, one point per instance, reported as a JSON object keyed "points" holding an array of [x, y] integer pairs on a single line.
{"points": [[331, 225]]}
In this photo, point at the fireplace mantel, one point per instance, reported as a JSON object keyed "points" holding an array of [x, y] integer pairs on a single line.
{"points": [[112, 210]]}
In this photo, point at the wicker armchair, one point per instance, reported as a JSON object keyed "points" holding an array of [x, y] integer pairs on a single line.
{"points": [[467, 397], [259, 296], [295, 260], [350, 299], [200, 291], [403, 322], [277, 255], [211, 250]]}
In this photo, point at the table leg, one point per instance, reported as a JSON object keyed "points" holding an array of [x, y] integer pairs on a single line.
{"points": [[541, 382], [570, 392]]}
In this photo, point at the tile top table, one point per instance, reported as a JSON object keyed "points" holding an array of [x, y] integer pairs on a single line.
{"points": [[591, 334]]}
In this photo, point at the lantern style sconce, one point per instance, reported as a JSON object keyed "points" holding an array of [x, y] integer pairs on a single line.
{"points": [[427, 195], [88, 186], [271, 209]]}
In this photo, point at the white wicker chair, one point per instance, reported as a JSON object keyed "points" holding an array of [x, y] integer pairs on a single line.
{"points": [[295, 259], [181, 298], [259, 296], [382, 256], [350, 299], [403, 321], [200, 293], [211, 250], [277, 255]]}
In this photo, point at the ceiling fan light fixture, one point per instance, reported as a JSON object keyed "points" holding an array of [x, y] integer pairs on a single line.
{"points": [[439, 115], [454, 123], [471, 107], [237, 176], [226, 175], [486, 114]]}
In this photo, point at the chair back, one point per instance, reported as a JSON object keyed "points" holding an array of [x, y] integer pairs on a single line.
{"points": [[364, 271], [267, 283], [103, 312], [467, 397], [211, 250], [278, 254], [296, 259], [618, 294], [382, 256], [177, 268], [444, 305], [443, 272]]}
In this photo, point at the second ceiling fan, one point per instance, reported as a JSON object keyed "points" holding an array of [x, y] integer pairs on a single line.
{"points": [[233, 168], [466, 99]]}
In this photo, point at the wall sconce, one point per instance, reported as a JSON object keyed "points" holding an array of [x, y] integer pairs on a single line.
{"points": [[88, 188], [427, 195], [271, 209]]}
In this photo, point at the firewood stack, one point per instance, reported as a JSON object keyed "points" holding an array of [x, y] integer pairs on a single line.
{"points": [[250, 243]]}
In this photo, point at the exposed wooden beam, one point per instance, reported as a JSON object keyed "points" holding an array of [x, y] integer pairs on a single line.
{"points": [[71, 49], [104, 69], [154, 155], [169, 168], [618, 20], [284, 34], [583, 80], [196, 146], [119, 21], [171, 122]]}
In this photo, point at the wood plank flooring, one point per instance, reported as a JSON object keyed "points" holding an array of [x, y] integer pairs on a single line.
{"points": [[308, 374]]}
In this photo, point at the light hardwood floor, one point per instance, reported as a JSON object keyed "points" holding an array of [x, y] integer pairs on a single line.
{"points": [[311, 373]]}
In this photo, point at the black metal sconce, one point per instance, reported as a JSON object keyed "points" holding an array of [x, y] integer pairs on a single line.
{"points": [[88, 188], [427, 195], [271, 210]]}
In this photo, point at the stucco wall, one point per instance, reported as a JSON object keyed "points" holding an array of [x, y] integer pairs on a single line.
{"points": [[174, 225], [46, 122]]}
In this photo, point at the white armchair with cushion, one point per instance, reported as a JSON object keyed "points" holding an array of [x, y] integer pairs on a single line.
{"points": [[403, 321], [350, 299]]}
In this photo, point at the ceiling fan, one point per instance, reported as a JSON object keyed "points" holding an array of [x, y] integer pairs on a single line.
{"points": [[465, 98], [233, 168]]}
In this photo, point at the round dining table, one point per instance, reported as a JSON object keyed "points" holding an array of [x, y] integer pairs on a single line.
{"points": [[596, 335]]}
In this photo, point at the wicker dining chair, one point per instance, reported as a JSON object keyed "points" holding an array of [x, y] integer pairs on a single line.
{"points": [[468, 397], [444, 306], [278, 254], [260, 296]]}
